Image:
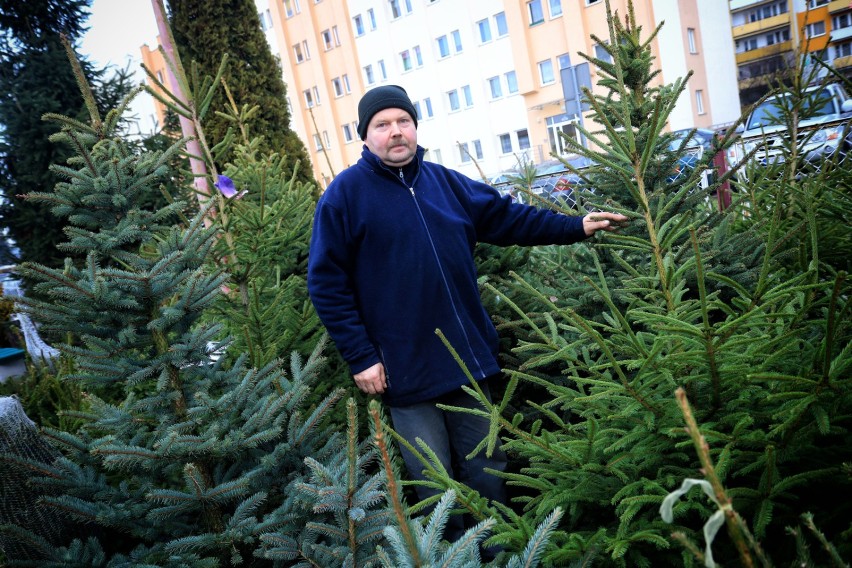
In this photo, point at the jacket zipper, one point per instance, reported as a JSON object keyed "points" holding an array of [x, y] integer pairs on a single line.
{"points": [[385, 365], [443, 275]]}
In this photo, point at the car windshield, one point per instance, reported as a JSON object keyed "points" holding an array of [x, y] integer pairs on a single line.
{"points": [[771, 111]]}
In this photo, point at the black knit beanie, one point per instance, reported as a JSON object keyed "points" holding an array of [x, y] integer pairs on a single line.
{"points": [[380, 98]]}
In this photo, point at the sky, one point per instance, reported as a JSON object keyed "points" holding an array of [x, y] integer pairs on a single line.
{"points": [[117, 31]]}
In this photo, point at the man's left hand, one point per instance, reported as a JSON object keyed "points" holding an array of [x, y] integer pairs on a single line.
{"points": [[594, 222]]}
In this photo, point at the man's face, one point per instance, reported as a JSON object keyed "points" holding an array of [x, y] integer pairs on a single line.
{"points": [[392, 136]]}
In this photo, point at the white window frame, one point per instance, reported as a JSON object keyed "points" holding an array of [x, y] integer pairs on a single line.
{"points": [[484, 29], [468, 96], [812, 27], [501, 24], [511, 82], [505, 140], [453, 100], [495, 88], [690, 39], [535, 12], [555, 13], [699, 101], [457, 42], [545, 67]]}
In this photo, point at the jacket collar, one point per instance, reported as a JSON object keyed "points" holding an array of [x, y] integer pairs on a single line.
{"points": [[376, 164]]}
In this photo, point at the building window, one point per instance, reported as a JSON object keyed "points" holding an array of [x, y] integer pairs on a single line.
{"points": [[555, 8], [464, 152], [511, 82], [298, 54], [699, 101], [563, 61], [396, 7], [477, 149], [815, 29], [337, 87], [545, 72], [327, 40], [335, 35], [817, 3], [368, 75], [417, 113], [291, 8], [777, 37], [484, 31], [841, 21], [690, 38], [843, 49], [359, 25], [316, 95], [505, 143], [327, 139], [745, 45], [453, 98], [457, 43], [426, 105], [418, 56], [372, 15], [602, 54], [405, 56], [436, 156], [443, 47], [305, 49], [536, 13], [500, 22], [523, 139], [309, 98], [265, 20], [346, 86], [495, 87], [317, 143], [468, 96], [382, 70]]}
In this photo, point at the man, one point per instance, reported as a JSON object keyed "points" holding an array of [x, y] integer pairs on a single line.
{"points": [[391, 261]]}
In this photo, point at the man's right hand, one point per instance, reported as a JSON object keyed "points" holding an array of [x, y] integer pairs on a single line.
{"points": [[372, 379]]}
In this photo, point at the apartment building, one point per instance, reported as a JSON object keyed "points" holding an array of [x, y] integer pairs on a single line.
{"points": [[493, 81], [768, 34]]}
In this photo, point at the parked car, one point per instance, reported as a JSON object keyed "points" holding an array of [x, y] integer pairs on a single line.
{"points": [[826, 113], [556, 183]]}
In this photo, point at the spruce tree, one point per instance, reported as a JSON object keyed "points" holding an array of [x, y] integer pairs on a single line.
{"points": [[206, 30], [743, 311], [35, 79]]}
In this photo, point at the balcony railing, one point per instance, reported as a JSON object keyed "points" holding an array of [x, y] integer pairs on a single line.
{"points": [[781, 20], [838, 6], [741, 4], [762, 52], [841, 34]]}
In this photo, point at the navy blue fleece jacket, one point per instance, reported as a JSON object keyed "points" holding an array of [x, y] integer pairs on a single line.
{"points": [[391, 261]]}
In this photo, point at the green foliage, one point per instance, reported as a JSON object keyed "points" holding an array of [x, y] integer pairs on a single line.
{"points": [[47, 397], [205, 31], [267, 231], [35, 79], [196, 460], [739, 308]]}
